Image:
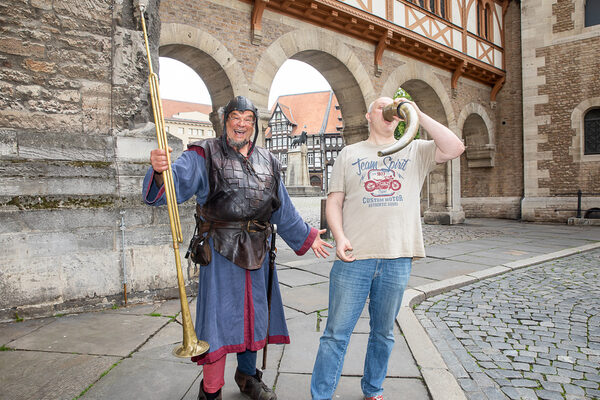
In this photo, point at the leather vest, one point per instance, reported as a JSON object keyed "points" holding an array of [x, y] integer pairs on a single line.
{"points": [[241, 190]]}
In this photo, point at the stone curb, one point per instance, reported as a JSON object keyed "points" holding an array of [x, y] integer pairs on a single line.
{"points": [[440, 382]]}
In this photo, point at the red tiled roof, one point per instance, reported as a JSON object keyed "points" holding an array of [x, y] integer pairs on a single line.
{"points": [[172, 107], [307, 112]]}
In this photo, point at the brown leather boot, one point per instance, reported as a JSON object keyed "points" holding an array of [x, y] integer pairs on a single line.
{"points": [[202, 395], [253, 386]]}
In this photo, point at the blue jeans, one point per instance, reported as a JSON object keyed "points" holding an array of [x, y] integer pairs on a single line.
{"points": [[383, 281]]}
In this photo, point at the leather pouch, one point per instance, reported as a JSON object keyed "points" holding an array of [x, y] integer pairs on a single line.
{"points": [[200, 250]]}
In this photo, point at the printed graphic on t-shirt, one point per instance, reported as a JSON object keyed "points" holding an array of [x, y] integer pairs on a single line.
{"points": [[381, 180]]}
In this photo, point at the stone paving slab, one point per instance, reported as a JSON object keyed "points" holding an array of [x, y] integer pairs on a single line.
{"points": [[294, 277], [444, 269], [506, 255], [291, 313], [488, 261], [307, 299], [297, 387], [161, 345], [141, 378], [14, 330], [414, 281], [92, 333], [172, 307], [321, 268], [27, 375], [135, 309], [299, 356]]}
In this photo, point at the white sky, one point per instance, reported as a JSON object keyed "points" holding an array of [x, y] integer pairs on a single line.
{"points": [[180, 82]]}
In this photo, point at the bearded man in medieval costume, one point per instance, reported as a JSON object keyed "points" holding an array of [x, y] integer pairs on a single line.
{"points": [[239, 196]]}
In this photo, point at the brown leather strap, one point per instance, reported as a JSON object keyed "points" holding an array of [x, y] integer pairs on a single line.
{"points": [[250, 226]]}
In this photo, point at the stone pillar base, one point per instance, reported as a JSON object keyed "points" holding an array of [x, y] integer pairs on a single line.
{"points": [[304, 191], [444, 217]]}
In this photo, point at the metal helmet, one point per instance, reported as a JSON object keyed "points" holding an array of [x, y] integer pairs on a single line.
{"points": [[241, 103]]}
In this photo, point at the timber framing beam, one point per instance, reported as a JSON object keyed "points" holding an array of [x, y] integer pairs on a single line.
{"points": [[384, 35], [256, 20]]}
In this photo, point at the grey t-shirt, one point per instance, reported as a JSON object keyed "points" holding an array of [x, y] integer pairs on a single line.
{"points": [[381, 209]]}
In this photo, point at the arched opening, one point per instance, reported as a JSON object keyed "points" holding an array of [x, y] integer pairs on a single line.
{"points": [[305, 124], [480, 152], [209, 70], [329, 115], [347, 91], [185, 101]]}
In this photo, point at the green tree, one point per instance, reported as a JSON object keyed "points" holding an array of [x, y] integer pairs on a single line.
{"points": [[401, 93]]}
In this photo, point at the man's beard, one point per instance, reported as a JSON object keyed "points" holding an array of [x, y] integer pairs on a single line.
{"points": [[238, 145]]}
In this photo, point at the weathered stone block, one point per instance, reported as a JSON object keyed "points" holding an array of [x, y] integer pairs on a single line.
{"points": [[8, 143], [20, 48]]}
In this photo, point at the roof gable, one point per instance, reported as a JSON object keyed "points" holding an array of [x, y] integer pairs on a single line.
{"points": [[314, 112]]}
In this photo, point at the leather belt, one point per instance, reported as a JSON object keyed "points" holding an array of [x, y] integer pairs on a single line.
{"points": [[249, 226]]}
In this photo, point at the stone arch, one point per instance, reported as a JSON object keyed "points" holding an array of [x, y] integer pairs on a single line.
{"points": [[210, 59], [337, 63], [440, 197], [479, 136], [426, 89]]}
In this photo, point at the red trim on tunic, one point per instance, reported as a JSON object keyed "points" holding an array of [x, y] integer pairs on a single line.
{"points": [[248, 312], [199, 150], [308, 242], [160, 192], [238, 348]]}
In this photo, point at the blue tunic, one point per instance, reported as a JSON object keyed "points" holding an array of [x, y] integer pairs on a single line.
{"points": [[231, 311]]}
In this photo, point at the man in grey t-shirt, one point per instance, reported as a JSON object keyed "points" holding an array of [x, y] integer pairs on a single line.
{"points": [[373, 213]]}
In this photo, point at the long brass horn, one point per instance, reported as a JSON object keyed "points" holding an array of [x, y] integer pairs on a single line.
{"points": [[191, 346], [407, 112]]}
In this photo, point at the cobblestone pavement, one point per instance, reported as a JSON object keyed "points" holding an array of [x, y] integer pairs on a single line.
{"points": [[533, 333]]}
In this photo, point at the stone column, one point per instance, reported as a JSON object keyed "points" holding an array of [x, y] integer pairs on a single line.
{"points": [[297, 179], [297, 167]]}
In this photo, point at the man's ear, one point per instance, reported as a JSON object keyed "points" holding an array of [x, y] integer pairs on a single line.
{"points": [[368, 117]]}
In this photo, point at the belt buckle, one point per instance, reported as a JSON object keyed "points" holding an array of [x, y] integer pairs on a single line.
{"points": [[248, 227], [257, 226]]}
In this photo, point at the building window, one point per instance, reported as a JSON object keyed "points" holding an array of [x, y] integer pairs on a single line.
{"points": [[311, 158], [591, 129], [317, 159], [284, 159], [484, 20], [180, 131], [592, 12]]}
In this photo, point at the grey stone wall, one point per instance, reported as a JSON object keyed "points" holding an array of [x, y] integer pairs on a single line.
{"points": [[75, 133]]}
